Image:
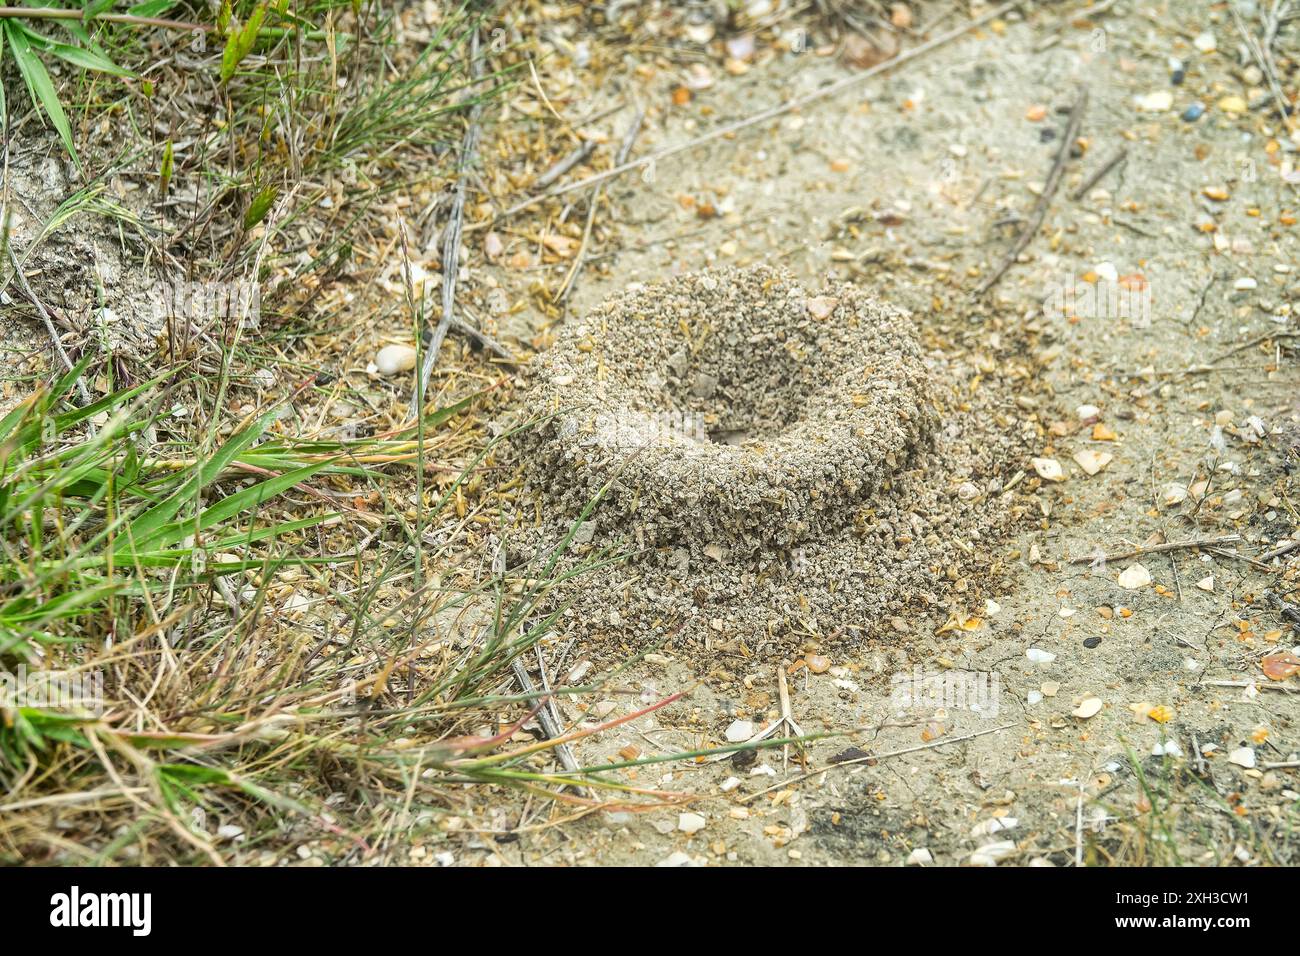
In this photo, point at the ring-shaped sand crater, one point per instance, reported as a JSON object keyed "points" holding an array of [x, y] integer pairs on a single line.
{"points": [[732, 406]]}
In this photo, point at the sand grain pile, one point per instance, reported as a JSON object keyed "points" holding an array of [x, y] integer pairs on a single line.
{"points": [[777, 464]]}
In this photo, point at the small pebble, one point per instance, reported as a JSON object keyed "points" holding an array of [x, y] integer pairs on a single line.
{"points": [[991, 853], [1194, 112], [1049, 469], [690, 822], [1155, 102], [739, 731], [1177, 71], [1091, 460], [821, 307], [1089, 708], [1133, 577], [1242, 757], [1092, 642], [393, 359]]}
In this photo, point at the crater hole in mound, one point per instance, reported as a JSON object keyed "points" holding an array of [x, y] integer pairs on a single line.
{"points": [[734, 390]]}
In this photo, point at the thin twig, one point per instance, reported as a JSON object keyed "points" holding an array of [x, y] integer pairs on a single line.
{"points": [[1045, 198], [764, 115], [787, 713], [451, 239], [1263, 55], [1078, 828], [57, 13], [870, 757], [1158, 548], [1279, 552], [1201, 768], [546, 716], [1258, 685], [49, 324], [482, 338], [1111, 162], [565, 164], [1235, 556], [1252, 343], [625, 150], [1289, 611]]}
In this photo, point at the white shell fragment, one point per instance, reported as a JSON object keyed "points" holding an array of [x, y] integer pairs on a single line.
{"points": [[1134, 576], [394, 359]]}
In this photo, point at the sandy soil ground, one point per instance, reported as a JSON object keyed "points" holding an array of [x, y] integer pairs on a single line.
{"points": [[1101, 709], [1112, 733]]}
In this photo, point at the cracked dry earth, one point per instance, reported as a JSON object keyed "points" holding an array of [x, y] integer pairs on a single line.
{"points": [[1128, 718]]}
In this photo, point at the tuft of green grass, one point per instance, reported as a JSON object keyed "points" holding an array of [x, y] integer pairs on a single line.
{"points": [[86, 516], [217, 706], [289, 641], [1165, 814], [27, 46]]}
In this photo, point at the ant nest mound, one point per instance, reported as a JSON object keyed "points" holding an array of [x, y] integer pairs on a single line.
{"points": [[772, 464], [731, 409]]}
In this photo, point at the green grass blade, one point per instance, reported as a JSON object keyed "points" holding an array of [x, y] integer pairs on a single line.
{"points": [[146, 525], [228, 507], [39, 84]]}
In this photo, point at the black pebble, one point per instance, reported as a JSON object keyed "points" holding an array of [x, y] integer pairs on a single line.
{"points": [[1092, 642]]}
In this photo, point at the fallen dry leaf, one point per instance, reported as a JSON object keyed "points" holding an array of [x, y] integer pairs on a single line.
{"points": [[1280, 666]]}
